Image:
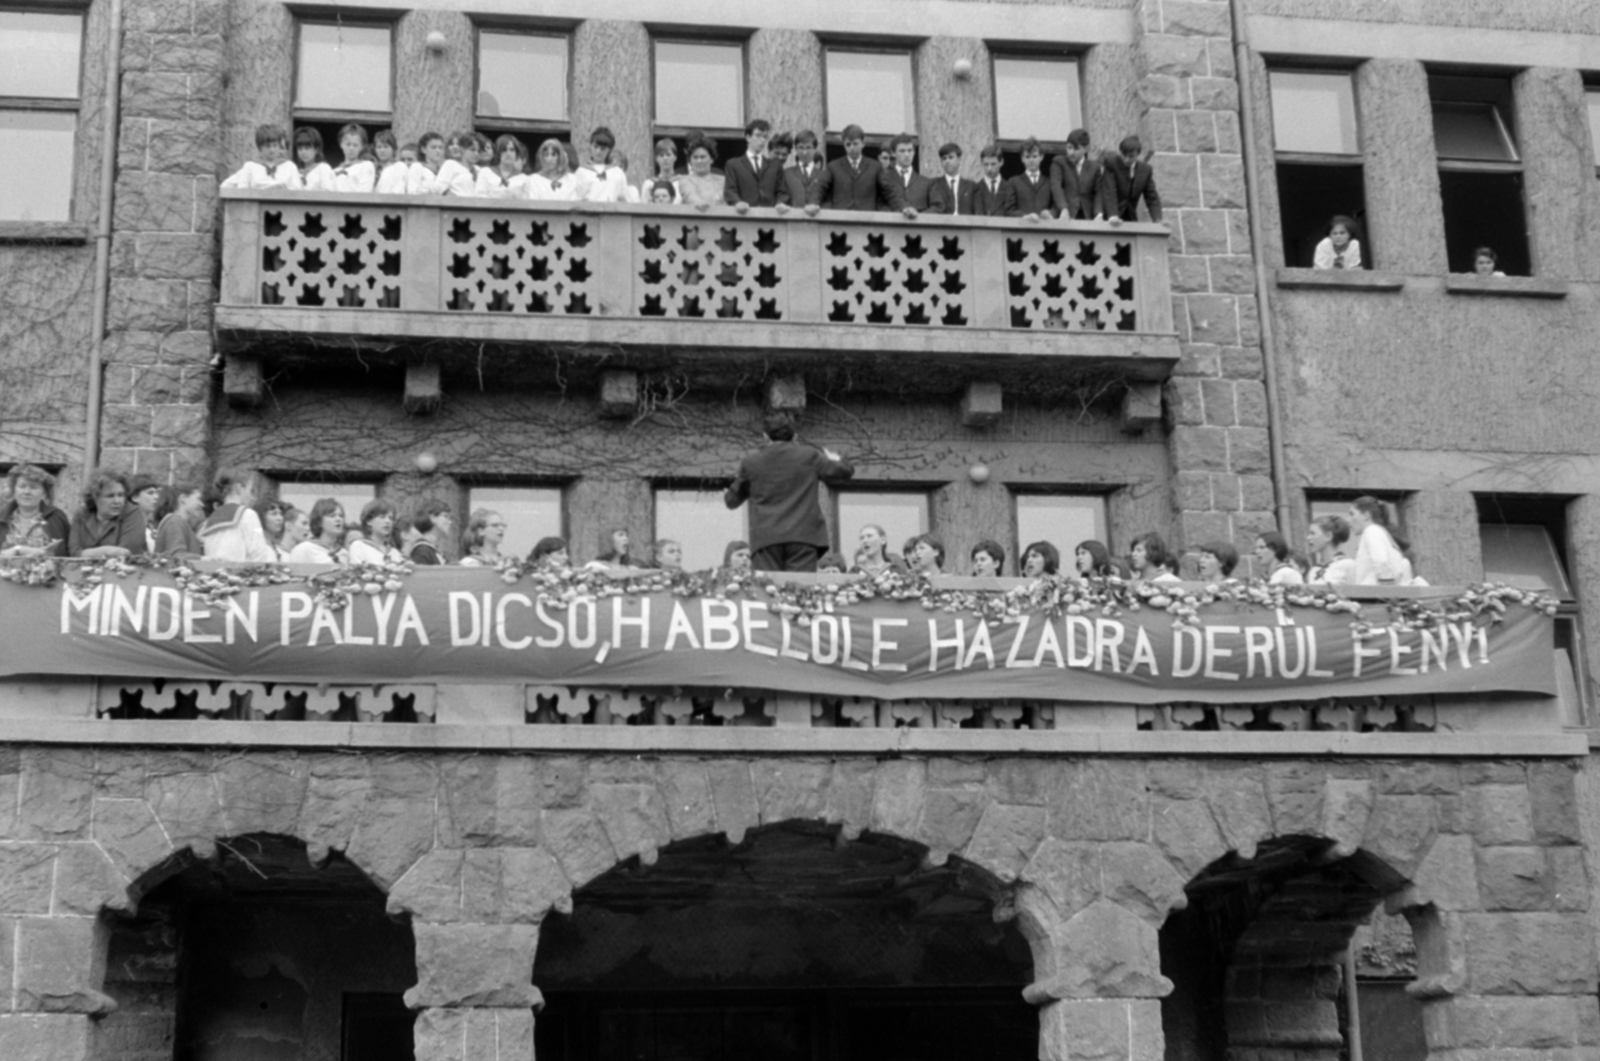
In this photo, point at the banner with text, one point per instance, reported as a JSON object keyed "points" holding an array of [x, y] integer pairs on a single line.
{"points": [[464, 626]]}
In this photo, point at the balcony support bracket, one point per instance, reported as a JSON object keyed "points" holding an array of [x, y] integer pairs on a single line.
{"points": [[1141, 407], [242, 381], [619, 394], [423, 390], [786, 393], [981, 404]]}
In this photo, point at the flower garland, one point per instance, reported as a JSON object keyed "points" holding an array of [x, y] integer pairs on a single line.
{"points": [[1054, 595]]}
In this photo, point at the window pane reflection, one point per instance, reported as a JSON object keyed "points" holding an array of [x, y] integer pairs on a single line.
{"points": [[531, 513], [39, 55], [872, 90], [699, 521], [1036, 97], [1314, 113], [1474, 131], [902, 515], [352, 497], [1063, 520], [40, 190], [343, 67], [521, 75], [700, 84]]}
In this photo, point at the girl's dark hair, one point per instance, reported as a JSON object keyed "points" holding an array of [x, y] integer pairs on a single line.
{"points": [[1052, 558], [371, 511], [1374, 508], [1346, 220], [1336, 527], [102, 477], [428, 138], [1227, 556], [994, 549], [544, 547], [267, 505], [1155, 548], [1276, 542], [608, 546], [733, 547], [304, 136], [320, 511], [1099, 558], [227, 479], [832, 559], [699, 140], [477, 523], [603, 135], [353, 127], [938, 547], [507, 140], [1486, 252], [386, 136], [34, 474]]}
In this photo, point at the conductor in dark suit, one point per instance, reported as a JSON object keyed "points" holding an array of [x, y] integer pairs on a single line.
{"points": [[1128, 179], [787, 531], [854, 182], [1028, 193], [1075, 181], [752, 179], [989, 198], [952, 193]]}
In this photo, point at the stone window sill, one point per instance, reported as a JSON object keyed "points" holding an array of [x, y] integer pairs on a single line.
{"points": [[1505, 286], [1340, 279], [66, 232]]}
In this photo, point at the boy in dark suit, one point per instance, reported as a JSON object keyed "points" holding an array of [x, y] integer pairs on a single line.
{"points": [[988, 198], [913, 187], [1075, 181], [1027, 195], [787, 528], [854, 182], [1128, 178], [952, 193], [752, 178], [794, 187]]}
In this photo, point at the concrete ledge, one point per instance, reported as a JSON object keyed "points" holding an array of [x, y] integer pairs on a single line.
{"points": [[737, 740], [43, 232], [1340, 279], [1505, 286]]}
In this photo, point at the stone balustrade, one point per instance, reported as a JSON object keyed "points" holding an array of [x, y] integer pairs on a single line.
{"points": [[487, 269]]}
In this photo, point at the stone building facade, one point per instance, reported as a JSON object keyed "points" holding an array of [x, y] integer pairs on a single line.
{"points": [[186, 887]]}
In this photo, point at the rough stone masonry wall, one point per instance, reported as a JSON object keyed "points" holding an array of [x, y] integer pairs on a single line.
{"points": [[478, 848], [156, 410], [1216, 401]]}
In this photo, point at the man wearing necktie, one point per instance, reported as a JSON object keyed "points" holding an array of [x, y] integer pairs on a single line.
{"points": [[953, 193], [916, 191], [752, 179], [855, 182], [1028, 195], [1076, 186], [796, 181], [988, 199]]}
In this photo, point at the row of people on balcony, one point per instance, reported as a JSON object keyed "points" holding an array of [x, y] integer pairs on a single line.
{"points": [[142, 516], [780, 170]]}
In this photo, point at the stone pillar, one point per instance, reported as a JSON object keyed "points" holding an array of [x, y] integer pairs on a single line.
{"points": [[1556, 156], [1287, 1010], [1405, 218], [1189, 100], [1583, 549], [433, 90], [157, 404], [952, 109], [474, 992], [788, 92], [611, 71], [1447, 520], [57, 967]]}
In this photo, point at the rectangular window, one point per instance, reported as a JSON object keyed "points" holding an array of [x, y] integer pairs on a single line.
{"points": [[1592, 97], [870, 89], [1480, 172], [304, 493], [344, 67], [529, 512], [698, 520], [1036, 97], [40, 61], [522, 77], [901, 514], [1320, 165], [699, 84], [1062, 519]]}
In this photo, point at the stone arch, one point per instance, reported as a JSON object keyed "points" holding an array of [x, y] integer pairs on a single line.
{"points": [[796, 908]]}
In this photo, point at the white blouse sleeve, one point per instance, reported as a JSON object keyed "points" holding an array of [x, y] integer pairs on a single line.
{"points": [[392, 181], [1378, 560], [251, 175], [321, 179], [356, 177]]}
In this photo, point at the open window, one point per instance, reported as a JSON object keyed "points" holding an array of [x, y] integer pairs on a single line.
{"points": [[872, 88], [699, 86], [1480, 172], [695, 516], [1524, 540], [1062, 518], [1035, 96], [529, 512], [1320, 165], [40, 65], [901, 513], [523, 79], [344, 73]]}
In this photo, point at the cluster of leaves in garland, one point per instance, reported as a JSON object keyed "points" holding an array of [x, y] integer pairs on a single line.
{"points": [[1054, 595]]}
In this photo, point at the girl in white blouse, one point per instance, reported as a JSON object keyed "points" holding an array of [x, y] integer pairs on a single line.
{"points": [[506, 179], [421, 174], [376, 545], [357, 173], [392, 171], [554, 180], [1380, 556], [326, 544], [315, 173], [456, 176], [1272, 553]]}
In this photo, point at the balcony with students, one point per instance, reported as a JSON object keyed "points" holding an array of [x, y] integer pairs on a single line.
{"points": [[377, 272]]}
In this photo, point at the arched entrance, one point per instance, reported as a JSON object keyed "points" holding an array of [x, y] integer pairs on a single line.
{"points": [[794, 943], [256, 954]]}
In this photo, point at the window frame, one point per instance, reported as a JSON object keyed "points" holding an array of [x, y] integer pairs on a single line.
{"points": [[710, 487], [56, 105], [1096, 491], [1012, 146], [465, 506], [1591, 99], [722, 134], [1395, 499], [302, 115], [837, 491], [1504, 108], [279, 480], [1328, 160], [876, 139], [494, 125]]}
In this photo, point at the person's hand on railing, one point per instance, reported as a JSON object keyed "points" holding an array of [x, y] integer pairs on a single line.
{"points": [[741, 207], [910, 212], [812, 209]]}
